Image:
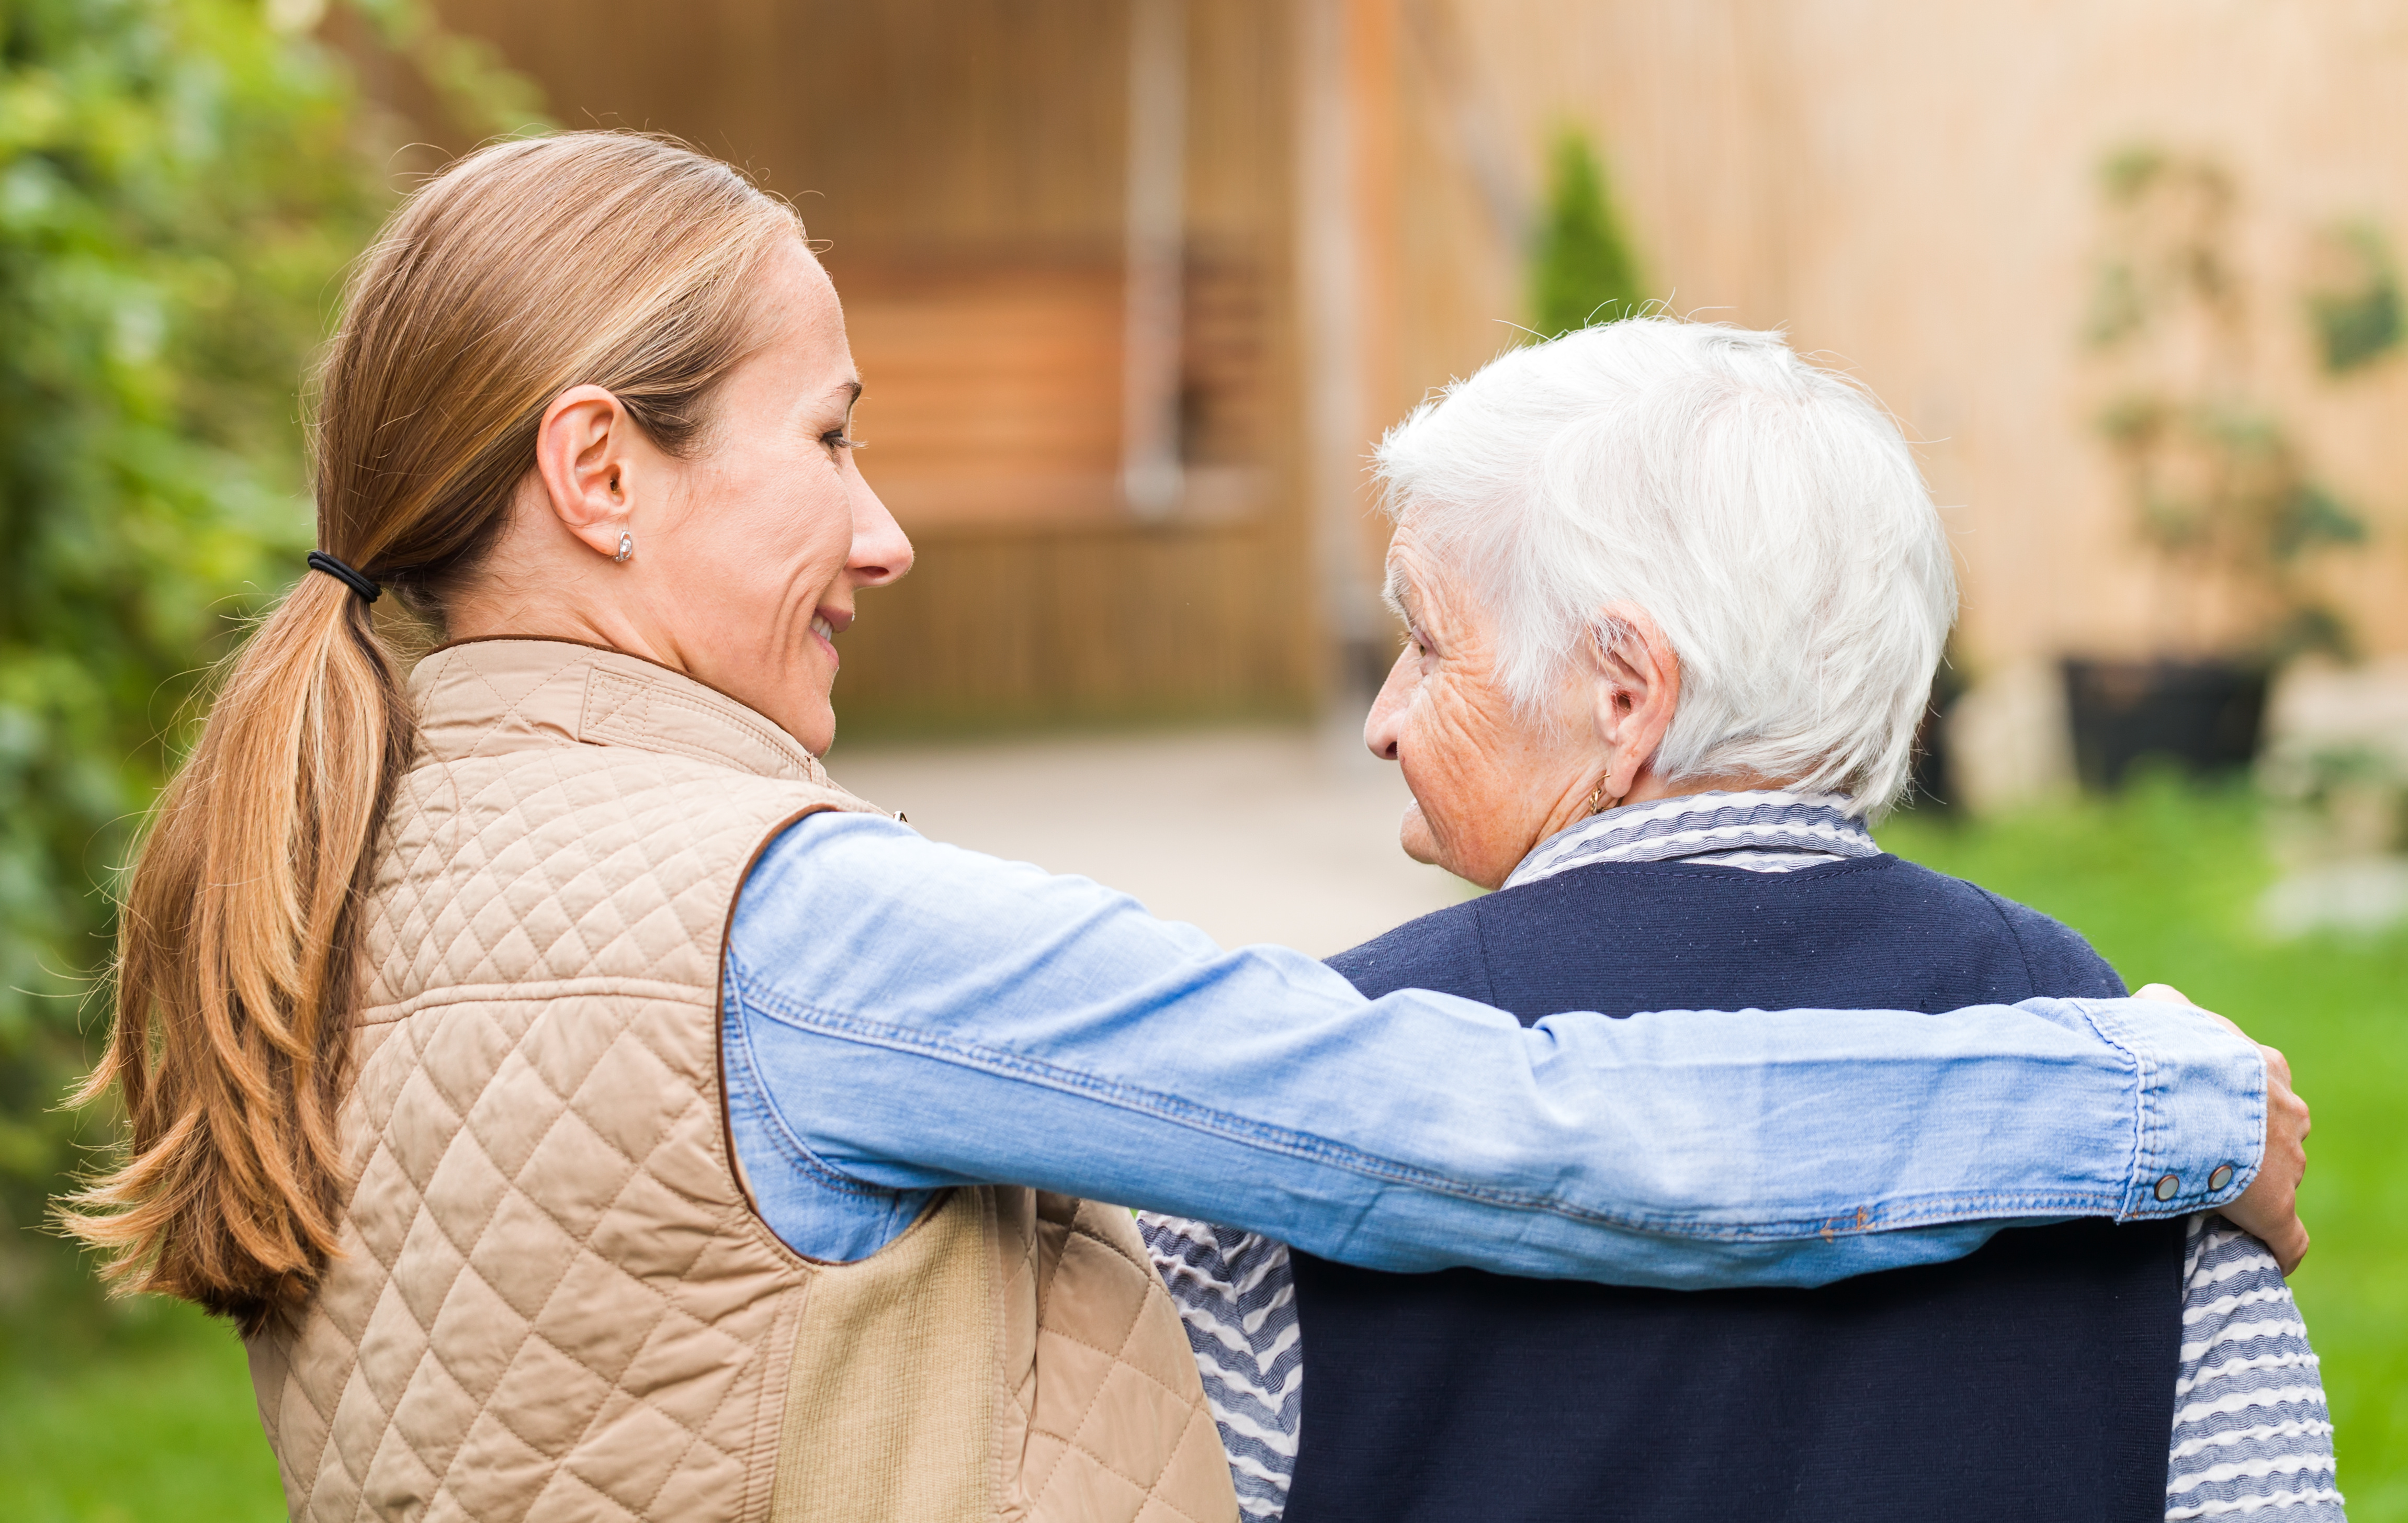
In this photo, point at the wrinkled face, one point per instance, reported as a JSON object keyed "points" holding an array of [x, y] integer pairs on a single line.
{"points": [[768, 530], [1489, 781]]}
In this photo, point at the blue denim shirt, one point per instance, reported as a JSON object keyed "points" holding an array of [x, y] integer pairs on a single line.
{"points": [[902, 1015]]}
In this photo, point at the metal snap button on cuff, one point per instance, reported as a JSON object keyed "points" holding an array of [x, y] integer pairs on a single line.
{"points": [[2222, 1177], [2168, 1185]]}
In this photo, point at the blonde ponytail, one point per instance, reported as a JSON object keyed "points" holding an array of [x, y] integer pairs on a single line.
{"points": [[236, 971], [612, 259]]}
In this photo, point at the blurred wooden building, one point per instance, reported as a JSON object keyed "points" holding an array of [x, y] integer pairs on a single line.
{"points": [[1071, 245], [1134, 284]]}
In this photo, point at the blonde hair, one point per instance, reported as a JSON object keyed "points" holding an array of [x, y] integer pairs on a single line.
{"points": [[614, 259]]}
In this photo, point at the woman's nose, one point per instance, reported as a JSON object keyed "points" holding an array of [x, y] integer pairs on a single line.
{"points": [[1384, 726], [881, 551]]}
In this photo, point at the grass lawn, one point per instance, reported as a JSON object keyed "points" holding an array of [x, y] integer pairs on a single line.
{"points": [[159, 1430], [2161, 880]]}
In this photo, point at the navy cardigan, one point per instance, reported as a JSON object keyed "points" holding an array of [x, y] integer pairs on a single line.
{"points": [[2033, 1379]]}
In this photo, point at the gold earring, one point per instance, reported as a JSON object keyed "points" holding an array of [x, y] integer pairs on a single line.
{"points": [[1596, 804]]}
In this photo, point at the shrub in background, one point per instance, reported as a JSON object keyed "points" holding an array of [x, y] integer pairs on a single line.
{"points": [[2220, 487], [1582, 271]]}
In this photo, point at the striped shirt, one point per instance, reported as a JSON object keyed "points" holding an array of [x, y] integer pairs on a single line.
{"points": [[2250, 1430]]}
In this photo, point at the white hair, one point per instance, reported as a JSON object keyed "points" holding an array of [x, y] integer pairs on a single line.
{"points": [[1767, 514]]}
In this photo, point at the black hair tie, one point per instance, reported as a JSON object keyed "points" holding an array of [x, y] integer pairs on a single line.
{"points": [[357, 581]]}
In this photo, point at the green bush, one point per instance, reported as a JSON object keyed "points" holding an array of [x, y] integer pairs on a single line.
{"points": [[181, 183], [1584, 271]]}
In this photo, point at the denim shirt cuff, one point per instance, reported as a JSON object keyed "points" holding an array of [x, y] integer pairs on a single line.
{"points": [[2199, 1106]]}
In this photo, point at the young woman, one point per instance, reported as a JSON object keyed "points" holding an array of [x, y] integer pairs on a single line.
{"points": [[587, 1109]]}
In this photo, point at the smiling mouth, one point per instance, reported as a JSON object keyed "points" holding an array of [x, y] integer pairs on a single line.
{"points": [[826, 632]]}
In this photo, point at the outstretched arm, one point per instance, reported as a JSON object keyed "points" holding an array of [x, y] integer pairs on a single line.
{"points": [[911, 1015]]}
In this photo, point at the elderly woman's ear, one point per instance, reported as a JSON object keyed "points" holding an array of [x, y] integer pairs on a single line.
{"points": [[1635, 686]]}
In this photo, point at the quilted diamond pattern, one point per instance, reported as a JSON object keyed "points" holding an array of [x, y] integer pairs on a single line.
{"points": [[1117, 1427], [552, 1299]]}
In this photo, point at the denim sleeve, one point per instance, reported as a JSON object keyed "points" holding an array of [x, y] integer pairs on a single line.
{"points": [[904, 1015]]}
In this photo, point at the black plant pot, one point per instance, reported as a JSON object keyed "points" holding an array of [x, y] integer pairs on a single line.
{"points": [[2204, 716]]}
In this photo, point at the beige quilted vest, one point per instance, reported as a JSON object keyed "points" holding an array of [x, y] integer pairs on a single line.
{"points": [[553, 1299]]}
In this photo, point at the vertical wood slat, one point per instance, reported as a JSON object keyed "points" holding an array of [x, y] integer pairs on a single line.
{"points": [[1154, 261], [1119, 622]]}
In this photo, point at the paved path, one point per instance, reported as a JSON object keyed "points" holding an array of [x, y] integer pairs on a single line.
{"points": [[1256, 835]]}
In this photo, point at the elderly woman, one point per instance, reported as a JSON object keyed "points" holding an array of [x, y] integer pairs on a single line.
{"points": [[587, 1109], [1672, 602]]}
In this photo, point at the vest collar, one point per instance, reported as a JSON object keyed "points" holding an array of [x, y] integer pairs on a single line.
{"points": [[486, 697]]}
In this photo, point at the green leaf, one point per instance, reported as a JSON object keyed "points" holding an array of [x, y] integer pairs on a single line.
{"points": [[2355, 312]]}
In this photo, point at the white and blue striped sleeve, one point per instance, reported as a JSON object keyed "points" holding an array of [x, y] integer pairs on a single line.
{"points": [[2251, 1430], [1236, 1295]]}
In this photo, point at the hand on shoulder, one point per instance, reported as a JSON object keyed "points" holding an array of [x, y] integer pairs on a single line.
{"points": [[2269, 1209]]}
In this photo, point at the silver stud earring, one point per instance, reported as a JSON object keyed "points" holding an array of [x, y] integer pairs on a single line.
{"points": [[627, 546]]}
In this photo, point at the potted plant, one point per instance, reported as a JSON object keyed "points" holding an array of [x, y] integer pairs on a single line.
{"points": [[2220, 490]]}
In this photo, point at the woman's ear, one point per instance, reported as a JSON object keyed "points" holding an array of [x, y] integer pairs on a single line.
{"points": [[585, 450], [1637, 682]]}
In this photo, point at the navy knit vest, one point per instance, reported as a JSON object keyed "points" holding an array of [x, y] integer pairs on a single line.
{"points": [[2033, 1379]]}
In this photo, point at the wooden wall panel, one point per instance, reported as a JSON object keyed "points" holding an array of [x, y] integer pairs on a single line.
{"points": [[994, 392], [965, 161], [1114, 622], [903, 125]]}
